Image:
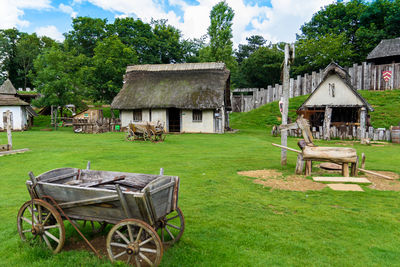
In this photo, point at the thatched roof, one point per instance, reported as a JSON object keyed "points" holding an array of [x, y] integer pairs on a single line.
{"points": [[386, 48], [7, 88], [334, 69], [185, 86], [10, 100]]}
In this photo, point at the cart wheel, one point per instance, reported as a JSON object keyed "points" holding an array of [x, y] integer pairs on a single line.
{"points": [[153, 137], [47, 224], [134, 242], [171, 227], [96, 227]]}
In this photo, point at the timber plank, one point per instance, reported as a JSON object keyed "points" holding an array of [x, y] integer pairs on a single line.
{"points": [[345, 187], [4, 153], [342, 180]]}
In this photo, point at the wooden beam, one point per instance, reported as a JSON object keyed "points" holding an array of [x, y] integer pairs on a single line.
{"points": [[9, 136], [288, 148], [90, 201], [3, 153], [376, 174]]}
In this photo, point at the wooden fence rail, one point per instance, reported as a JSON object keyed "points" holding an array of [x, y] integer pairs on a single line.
{"points": [[366, 76]]}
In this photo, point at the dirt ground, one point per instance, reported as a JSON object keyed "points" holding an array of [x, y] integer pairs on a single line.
{"points": [[275, 180]]}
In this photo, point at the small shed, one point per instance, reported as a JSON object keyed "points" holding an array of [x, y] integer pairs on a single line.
{"points": [[188, 97], [335, 101], [90, 114], [386, 52], [21, 112]]}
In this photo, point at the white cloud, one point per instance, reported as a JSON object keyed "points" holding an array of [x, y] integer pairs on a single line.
{"points": [[50, 31], [280, 22], [68, 10], [11, 11]]}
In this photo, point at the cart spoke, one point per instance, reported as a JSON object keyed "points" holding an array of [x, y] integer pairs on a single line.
{"points": [[173, 226], [146, 259], [40, 213], [51, 226], [137, 262], [130, 233], [33, 213], [169, 232], [145, 242], [47, 217], [169, 219], [115, 244], [26, 231], [52, 236], [26, 220], [47, 242], [129, 259], [139, 234], [148, 250], [120, 254], [122, 236]]}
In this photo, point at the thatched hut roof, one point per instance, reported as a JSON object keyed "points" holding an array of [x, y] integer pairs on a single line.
{"points": [[10, 100], [7, 88], [389, 48], [184, 86], [334, 69]]}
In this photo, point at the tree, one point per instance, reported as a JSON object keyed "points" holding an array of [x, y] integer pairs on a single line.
{"points": [[27, 49], [220, 34], [263, 67], [57, 77], [85, 34], [167, 42], [314, 54], [104, 76], [245, 50]]}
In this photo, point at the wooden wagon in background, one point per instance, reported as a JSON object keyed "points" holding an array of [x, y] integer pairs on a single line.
{"points": [[143, 209], [146, 131]]}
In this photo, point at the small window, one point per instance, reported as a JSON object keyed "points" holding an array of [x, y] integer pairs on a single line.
{"points": [[197, 115], [332, 89], [137, 115]]}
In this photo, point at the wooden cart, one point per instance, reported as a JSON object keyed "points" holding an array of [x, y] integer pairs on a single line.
{"points": [[146, 131], [143, 209]]}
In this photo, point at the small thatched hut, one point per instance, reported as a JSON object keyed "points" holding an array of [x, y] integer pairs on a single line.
{"points": [[21, 112], [386, 52], [335, 101], [189, 97]]}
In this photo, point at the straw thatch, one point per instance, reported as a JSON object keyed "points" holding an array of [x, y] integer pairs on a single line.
{"points": [[9, 100], [184, 86], [332, 69], [7, 88], [385, 49]]}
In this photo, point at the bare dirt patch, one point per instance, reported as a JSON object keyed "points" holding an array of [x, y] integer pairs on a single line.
{"points": [[275, 180]]}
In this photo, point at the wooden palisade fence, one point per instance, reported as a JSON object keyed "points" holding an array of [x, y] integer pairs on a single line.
{"points": [[101, 125], [366, 76]]}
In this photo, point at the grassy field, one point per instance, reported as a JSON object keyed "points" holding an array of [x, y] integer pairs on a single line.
{"points": [[230, 221]]}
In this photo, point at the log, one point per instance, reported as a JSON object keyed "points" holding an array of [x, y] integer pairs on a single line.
{"points": [[345, 169], [363, 161], [332, 154], [299, 164], [376, 174], [9, 136], [308, 167], [288, 148]]}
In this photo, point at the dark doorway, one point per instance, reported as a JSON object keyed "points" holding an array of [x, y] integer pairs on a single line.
{"points": [[174, 120]]}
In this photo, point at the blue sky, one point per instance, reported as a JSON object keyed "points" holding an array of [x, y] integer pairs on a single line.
{"points": [[275, 20]]}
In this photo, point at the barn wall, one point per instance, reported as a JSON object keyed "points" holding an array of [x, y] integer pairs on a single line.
{"points": [[18, 118], [205, 126], [126, 117]]}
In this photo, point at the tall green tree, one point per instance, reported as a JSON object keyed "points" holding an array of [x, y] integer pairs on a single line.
{"points": [[8, 52], [168, 42], [58, 77], [105, 75], [85, 34], [220, 34], [245, 50]]}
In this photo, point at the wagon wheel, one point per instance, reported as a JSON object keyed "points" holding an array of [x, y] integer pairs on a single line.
{"points": [[47, 224], [153, 136], [171, 227], [96, 227], [134, 242]]}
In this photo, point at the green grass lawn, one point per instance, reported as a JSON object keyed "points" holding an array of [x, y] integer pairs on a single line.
{"points": [[230, 221]]}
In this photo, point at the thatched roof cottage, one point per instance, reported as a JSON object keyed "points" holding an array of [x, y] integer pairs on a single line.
{"points": [[335, 101], [386, 52], [189, 97], [21, 112]]}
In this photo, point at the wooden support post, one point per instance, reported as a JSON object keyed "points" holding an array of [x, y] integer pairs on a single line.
{"points": [[161, 171], [327, 123], [308, 167], [88, 165], [9, 136], [363, 119], [289, 57], [354, 168], [345, 169], [362, 161], [299, 164]]}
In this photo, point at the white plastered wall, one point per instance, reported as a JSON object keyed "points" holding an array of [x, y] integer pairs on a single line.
{"points": [[205, 126], [343, 94], [159, 115], [19, 119]]}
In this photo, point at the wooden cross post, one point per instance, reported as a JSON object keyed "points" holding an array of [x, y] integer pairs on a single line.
{"points": [[289, 57], [9, 136]]}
